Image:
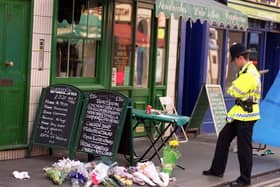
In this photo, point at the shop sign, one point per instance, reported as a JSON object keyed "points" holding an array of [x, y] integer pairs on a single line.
{"points": [[210, 12], [267, 2], [123, 12]]}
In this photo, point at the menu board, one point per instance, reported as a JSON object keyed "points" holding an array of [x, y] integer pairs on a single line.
{"points": [[210, 96], [217, 106], [102, 122], [56, 116]]}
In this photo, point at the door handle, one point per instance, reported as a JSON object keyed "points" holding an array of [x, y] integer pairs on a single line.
{"points": [[9, 64]]}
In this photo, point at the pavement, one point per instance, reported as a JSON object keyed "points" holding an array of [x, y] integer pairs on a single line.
{"points": [[196, 156]]}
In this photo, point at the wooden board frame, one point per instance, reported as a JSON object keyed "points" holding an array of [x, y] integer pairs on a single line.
{"points": [[118, 134], [73, 125], [208, 98]]}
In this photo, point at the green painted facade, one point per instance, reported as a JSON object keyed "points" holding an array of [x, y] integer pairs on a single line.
{"points": [[14, 59], [141, 95]]}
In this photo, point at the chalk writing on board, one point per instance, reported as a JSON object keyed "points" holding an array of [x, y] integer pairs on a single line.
{"points": [[100, 122], [217, 106], [57, 115]]}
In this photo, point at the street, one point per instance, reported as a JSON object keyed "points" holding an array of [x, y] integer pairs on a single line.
{"points": [[270, 179]]}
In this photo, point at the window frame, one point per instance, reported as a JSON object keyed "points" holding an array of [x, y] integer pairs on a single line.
{"points": [[99, 66]]}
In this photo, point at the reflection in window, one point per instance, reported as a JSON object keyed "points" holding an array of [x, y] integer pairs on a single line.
{"points": [[142, 53], [122, 45], [161, 49], [78, 36], [80, 62], [231, 68], [216, 37]]}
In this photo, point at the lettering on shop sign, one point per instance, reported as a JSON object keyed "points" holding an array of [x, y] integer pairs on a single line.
{"points": [[56, 115], [102, 123]]}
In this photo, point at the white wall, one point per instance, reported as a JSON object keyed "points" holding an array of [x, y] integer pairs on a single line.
{"points": [[42, 29], [173, 42]]}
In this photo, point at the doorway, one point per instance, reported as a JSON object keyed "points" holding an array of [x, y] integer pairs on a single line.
{"points": [[14, 50]]}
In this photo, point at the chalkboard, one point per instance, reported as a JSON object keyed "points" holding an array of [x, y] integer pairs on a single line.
{"points": [[102, 121], [217, 106], [209, 96], [57, 116]]}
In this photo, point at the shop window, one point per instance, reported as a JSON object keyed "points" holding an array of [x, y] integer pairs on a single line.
{"points": [[142, 49], [275, 26], [122, 45], [216, 38], [123, 40], [254, 43], [253, 23], [231, 69], [78, 38], [161, 49]]}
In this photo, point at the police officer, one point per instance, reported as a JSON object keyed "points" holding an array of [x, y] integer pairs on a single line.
{"points": [[246, 89]]}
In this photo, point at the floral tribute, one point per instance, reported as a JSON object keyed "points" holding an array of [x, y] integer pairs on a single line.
{"points": [[170, 155]]}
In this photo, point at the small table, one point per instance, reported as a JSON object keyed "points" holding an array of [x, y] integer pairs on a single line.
{"points": [[156, 119]]}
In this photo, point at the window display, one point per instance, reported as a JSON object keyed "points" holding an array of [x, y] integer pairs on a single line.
{"points": [[142, 50], [122, 44], [216, 37], [161, 49]]}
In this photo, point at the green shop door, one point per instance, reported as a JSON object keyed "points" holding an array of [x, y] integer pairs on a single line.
{"points": [[14, 40]]}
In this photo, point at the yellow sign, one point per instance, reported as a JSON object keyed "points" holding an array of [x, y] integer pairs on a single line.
{"points": [[256, 11], [161, 33]]}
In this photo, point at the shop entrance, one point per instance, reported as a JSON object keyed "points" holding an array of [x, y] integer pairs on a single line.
{"points": [[14, 40]]}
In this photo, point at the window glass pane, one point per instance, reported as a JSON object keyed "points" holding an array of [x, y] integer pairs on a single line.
{"points": [[62, 51], [78, 34], [254, 43], [216, 37], [161, 49], [142, 53], [122, 45], [90, 20], [231, 69], [89, 58], [69, 58]]}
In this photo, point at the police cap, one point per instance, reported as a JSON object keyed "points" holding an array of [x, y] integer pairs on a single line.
{"points": [[237, 50]]}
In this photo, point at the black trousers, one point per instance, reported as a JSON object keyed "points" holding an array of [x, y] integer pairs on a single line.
{"points": [[243, 131]]}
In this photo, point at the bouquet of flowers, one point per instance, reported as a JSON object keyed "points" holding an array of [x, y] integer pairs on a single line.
{"points": [[170, 156]]}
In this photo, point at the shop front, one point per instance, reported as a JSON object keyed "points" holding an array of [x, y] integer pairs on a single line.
{"points": [[91, 44], [263, 36], [118, 45], [206, 30]]}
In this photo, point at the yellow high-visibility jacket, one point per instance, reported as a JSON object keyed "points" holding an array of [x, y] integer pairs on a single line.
{"points": [[247, 84]]}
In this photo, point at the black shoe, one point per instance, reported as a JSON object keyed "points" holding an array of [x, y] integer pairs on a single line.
{"points": [[210, 173], [238, 184]]}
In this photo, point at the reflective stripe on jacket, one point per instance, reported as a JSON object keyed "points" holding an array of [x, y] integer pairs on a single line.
{"points": [[246, 85]]}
